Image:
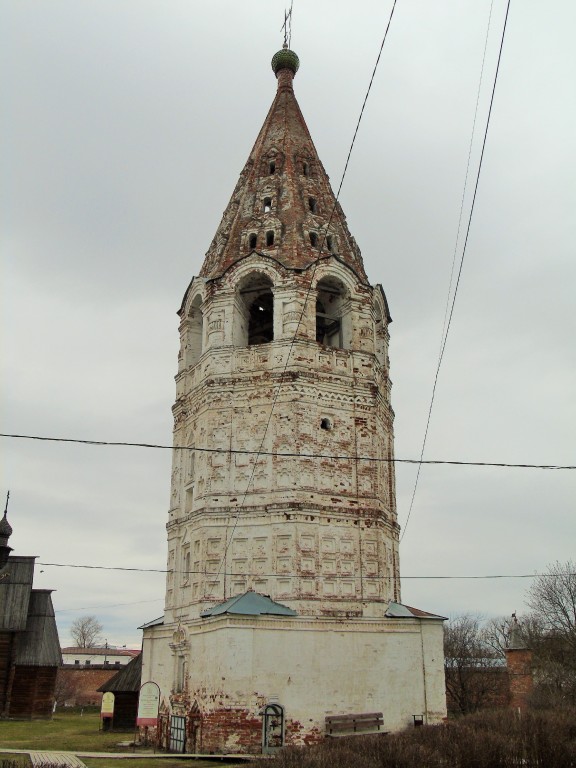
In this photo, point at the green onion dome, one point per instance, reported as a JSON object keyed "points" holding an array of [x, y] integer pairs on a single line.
{"points": [[285, 59]]}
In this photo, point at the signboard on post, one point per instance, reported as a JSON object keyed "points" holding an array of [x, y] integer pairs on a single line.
{"points": [[107, 708], [148, 704]]}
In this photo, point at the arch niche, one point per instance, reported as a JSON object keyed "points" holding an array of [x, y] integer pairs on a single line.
{"points": [[331, 313], [256, 304]]}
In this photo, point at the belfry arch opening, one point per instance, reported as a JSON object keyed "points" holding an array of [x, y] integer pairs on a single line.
{"points": [[257, 299], [194, 341], [330, 312]]}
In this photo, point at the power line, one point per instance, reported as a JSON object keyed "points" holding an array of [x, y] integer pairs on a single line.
{"points": [[113, 605], [292, 454], [212, 574], [443, 346]]}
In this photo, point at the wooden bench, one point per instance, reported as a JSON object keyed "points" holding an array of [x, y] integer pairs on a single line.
{"points": [[347, 725]]}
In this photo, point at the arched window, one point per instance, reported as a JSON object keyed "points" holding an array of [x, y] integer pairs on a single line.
{"points": [[252, 240], [270, 238], [313, 239], [272, 168], [312, 204], [267, 204], [305, 169], [330, 313], [329, 242], [261, 320], [194, 340], [257, 314]]}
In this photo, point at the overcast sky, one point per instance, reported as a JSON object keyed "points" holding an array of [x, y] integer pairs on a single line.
{"points": [[125, 124]]}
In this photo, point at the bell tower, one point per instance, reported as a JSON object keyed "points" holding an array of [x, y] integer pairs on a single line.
{"points": [[282, 480], [282, 601]]}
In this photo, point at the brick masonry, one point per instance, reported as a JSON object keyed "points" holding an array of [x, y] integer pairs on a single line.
{"points": [[282, 406]]}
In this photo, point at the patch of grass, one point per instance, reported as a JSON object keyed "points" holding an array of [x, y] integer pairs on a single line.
{"points": [[67, 732]]}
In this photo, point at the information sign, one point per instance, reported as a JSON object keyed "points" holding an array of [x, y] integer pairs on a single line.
{"points": [[107, 708], [148, 704]]}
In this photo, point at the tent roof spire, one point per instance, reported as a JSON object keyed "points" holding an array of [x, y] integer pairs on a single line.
{"points": [[283, 205]]}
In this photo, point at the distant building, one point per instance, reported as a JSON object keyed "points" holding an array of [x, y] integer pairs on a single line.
{"points": [[283, 611], [99, 655], [29, 645], [85, 670]]}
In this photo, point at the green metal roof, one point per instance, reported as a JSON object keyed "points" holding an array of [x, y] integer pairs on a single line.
{"points": [[249, 604], [399, 611]]}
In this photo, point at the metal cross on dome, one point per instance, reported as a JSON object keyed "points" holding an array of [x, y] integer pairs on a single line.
{"points": [[287, 26]]}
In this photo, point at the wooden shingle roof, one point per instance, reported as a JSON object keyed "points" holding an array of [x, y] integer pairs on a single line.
{"points": [[38, 645], [127, 680]]}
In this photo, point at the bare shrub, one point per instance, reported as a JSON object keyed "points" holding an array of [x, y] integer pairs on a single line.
{"points": [[485, 740]]}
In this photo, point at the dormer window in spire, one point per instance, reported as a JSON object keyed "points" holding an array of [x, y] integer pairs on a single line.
{"points": [[272, 167], [305, 169], [252, 240], [312, 204], [267, 204], [313, 239], [269, 238], [329, 243]]}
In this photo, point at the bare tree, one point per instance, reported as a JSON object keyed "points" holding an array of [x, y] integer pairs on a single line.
{"points": [[67, 688], [473, 669], [496, 632], [552, 597], [85, 631]]}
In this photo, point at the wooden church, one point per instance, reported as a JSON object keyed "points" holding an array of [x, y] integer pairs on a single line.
{"points": [[29, 646]]}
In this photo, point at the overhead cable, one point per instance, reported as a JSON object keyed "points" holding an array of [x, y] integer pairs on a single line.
{"points": [[292, 454], [443, 347]]}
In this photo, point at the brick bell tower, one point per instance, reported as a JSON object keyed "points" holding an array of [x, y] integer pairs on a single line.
{"points": [[283, 351], [283, 583]]}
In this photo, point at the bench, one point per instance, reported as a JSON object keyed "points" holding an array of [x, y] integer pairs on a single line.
{"points": [[347, 725]]}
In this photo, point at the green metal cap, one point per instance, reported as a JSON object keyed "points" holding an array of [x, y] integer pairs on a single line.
{"points": [[285, 59]]}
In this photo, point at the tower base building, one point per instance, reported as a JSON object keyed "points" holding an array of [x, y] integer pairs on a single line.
{"points": [[283, 617]]}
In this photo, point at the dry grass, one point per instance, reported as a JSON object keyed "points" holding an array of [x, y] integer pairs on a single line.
{"points": [[487, 740]]}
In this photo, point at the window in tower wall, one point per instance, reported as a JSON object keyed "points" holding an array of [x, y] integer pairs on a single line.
{"points": [[267, 204], [312, 204], [254, 323], [195, 333], [270, 238], [186, 567], [313, 239], [261, 321], [329, 242], [252, 240], [272, 168], [305, 169], [329, 313]]}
